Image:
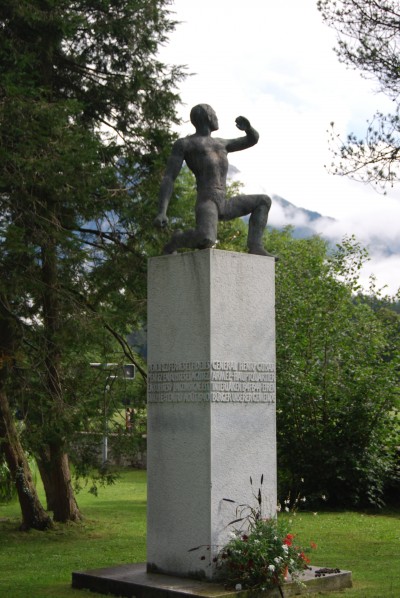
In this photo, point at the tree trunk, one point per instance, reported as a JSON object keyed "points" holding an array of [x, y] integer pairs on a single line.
{"points": [[65, 507], [33, 514], [43, 463], [61, 495]]}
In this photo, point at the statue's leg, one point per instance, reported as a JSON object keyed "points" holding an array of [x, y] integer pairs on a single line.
{"points": [[203, 236], [257, 223], [258, 207]]}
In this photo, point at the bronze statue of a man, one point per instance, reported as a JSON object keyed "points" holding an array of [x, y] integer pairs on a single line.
{"points": [[207, 158]]}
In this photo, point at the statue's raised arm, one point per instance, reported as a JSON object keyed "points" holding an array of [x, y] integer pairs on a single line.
{"points": [[207, 158], [241, 143]]}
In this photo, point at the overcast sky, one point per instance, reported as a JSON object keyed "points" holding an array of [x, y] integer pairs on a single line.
{"points": [[273, 62]]}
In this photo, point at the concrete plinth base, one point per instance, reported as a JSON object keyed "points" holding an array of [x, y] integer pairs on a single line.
{"points": [[133, 581], [211, 401]]}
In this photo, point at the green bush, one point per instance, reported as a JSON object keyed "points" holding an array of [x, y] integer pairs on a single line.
{"points": [[337, 376]]}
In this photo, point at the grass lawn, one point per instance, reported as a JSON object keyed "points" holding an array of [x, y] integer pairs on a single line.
{"points": [[366, 544], [39, 564]]}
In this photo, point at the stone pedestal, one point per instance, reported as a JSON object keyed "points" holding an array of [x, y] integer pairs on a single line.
{"points": [[211, 401]]}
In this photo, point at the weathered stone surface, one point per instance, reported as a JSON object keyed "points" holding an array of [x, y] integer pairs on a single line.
{"points": [[211, 409]]}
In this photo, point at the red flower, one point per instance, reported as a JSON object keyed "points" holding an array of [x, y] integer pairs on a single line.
{"points": [[313, 545], [288, 539], [304, 557]]}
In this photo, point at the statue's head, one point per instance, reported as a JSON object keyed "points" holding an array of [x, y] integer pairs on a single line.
{"points": [[203, 115]]}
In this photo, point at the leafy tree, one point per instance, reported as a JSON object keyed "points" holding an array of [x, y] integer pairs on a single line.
{"points": [[368, 39], [337, 376], [85, 109], [337, 364]]}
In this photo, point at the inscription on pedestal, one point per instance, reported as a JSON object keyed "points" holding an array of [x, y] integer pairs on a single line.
{"points": [[215, 381]]}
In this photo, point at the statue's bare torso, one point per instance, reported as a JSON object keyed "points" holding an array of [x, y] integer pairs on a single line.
{"points": [[207, 158]]}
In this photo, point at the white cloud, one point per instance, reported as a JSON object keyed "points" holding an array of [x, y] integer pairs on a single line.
{"points": [[273, 62], [281, 217], [385, 269]]}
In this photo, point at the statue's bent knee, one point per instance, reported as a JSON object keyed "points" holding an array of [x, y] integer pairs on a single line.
{"points": [[266, 200]]}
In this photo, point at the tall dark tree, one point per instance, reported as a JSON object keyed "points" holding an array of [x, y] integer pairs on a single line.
{"points": [[85, 106], [368, 40]]}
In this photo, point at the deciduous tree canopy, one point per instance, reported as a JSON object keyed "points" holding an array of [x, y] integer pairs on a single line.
{"points": [[337, 376]]}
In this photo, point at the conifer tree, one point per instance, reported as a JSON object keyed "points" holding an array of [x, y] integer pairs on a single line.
{"points": [[85, 114]]}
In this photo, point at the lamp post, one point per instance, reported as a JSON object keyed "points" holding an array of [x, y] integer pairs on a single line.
{"points": [[128, 373], [107, 389]]}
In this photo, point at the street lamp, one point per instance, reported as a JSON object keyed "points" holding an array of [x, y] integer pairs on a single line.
{"points": [[128, 373]]}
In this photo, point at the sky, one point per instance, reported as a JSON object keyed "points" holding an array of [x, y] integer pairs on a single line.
{"points": [[274, 63]]}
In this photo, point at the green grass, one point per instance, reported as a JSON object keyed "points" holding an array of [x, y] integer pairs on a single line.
{"points": [[364, 543], [39, 564]]}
